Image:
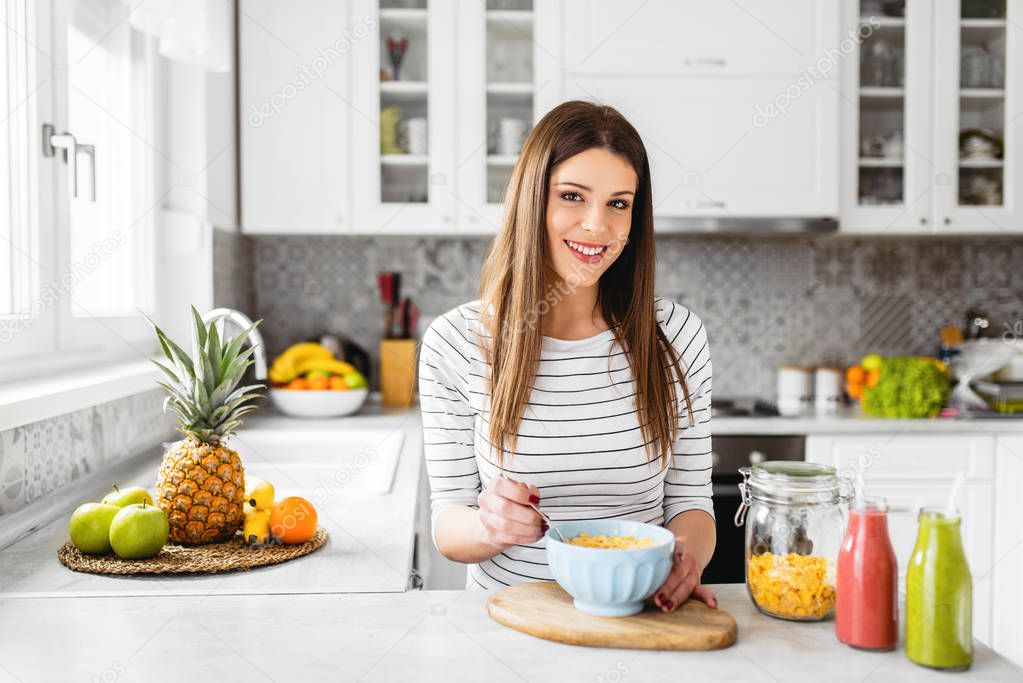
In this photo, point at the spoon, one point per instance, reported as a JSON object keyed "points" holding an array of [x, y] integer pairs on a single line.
{"points": [[550, 523]]}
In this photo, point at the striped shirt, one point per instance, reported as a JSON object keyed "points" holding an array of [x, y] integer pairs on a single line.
{"points": [[579, 441]]}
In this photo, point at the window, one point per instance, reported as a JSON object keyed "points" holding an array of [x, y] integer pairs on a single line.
{"points": [[77, 263]]}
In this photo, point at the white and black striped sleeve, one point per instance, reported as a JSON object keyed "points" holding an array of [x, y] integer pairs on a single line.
{"points": [[687, 484], [448, 420]]}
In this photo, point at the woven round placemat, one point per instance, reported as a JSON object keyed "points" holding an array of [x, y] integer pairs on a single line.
{"points": [[227, 556]]}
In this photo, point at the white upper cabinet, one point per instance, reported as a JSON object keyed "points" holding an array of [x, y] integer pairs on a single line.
{"points": [[404, 128], [737, 106], [692, 37], [931, 137], [293, 115]]}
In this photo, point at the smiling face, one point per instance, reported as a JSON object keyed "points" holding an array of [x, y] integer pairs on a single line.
{"points": [[589, 214]]}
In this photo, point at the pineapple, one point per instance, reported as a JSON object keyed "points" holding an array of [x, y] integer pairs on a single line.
{"points": [[201, 482]]}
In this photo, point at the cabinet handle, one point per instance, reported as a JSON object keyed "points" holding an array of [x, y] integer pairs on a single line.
{"points": [[948, 221], [705, 61], [706, 204], [923, 220]]}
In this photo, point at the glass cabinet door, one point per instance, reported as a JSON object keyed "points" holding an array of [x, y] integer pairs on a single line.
{"points": [[882, 104], [509, 87], [978, 132], [404, 99], [496, 77], [404, 116], [887, 118], [981, 135]]}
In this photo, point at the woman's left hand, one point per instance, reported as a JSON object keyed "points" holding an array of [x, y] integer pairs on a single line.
{"points": [[683, 581]]}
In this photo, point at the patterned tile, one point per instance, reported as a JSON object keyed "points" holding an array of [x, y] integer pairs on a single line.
{"points": [[12, 470], [887, 267], [886, 324], [41, 457]]}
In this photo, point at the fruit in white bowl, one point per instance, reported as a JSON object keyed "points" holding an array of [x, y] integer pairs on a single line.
{"points": [[90, 527], [139, 531], [313, 404], [127, 496]]}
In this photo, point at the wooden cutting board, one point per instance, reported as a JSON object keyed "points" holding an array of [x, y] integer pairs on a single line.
{"points": [[545, 610]]}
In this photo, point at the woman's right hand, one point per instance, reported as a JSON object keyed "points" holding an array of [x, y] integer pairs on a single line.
{"points": [[506, 517]]}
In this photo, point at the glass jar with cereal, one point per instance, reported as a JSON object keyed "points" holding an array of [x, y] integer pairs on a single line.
{"points": [[795, 520]]}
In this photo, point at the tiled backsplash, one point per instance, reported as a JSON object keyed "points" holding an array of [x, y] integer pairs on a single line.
{"points": [[40, 457], [764, 301]]}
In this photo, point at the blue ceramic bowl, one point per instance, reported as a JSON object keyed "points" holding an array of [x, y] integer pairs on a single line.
{"points": [[610, 582]]}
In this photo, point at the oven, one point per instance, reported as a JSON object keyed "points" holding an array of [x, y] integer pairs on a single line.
{"points": [[729, 454]]}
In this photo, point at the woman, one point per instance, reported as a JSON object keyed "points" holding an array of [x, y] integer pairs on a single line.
{"points": [[568, 385]]}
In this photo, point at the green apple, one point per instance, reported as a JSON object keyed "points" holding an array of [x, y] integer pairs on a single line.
{"points": [[90, 527], [355, 380], [128, 496], [139, 531]]}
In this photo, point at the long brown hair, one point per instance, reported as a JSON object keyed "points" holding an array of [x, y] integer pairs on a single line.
{"points": [[514, 282]]}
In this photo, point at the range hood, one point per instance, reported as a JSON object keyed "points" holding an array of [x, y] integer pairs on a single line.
{"points": [[669, 225]]}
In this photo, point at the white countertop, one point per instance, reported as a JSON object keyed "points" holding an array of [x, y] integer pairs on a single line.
{"points": [[370, 546], [852, 421], [414, 636]]}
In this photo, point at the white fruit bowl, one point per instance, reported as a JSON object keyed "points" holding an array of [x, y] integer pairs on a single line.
{"points": [[327, 403]]}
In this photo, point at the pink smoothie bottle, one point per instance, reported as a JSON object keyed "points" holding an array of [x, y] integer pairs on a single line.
{"points": [[866, 595]]}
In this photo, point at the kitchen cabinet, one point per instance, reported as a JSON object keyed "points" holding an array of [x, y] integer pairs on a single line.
{"points": [[736, 120], [915, 470], [294, 114], [405, 187], [1007, 570], [496, 84], [923, 76]]}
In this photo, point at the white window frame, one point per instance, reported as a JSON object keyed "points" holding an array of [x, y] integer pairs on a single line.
{"points": [[33, 330], [54, 334]]}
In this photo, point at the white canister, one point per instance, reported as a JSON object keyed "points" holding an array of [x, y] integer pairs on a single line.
{"points": [[827, 390], [510, 135], [412, 136], [795, 389]]}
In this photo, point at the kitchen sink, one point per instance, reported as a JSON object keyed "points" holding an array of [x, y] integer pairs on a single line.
{"points": [[319, 464]]}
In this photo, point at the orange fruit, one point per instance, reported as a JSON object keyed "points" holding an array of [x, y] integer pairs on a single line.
{"points": [[872, 377], [338, 383], [298, 383], [855, 374], [855, 391], [293, 520], [319, 382]]}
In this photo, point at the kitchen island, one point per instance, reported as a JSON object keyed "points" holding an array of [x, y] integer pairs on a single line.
{"points": [[413, 636]]}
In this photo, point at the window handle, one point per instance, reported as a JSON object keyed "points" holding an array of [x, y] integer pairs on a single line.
{"points": [[90, 151], [53, 141]]}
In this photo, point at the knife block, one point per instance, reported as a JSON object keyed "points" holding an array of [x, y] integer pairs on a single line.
{"points": [[398, 361]]}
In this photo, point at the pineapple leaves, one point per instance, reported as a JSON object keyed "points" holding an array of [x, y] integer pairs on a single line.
{"points": [[202, 389], [214, 355]]}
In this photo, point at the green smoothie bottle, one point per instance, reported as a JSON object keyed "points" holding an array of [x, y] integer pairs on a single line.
{"points": [[939, 595]]}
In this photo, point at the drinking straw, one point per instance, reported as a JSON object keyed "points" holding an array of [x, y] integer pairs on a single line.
{"points": [[859, 488], [952, 509]]}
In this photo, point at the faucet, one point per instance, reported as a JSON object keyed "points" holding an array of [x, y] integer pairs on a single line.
{"points": [[243, 322]]}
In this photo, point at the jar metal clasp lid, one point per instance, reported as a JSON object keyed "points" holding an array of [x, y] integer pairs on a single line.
{"points": [[740, 514]]}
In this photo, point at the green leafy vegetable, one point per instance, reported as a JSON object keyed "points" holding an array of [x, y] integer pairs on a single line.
{"points": [[909, 386]]}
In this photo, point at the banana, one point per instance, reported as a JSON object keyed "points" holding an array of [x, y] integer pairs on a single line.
{"points": [[259, 493], [257, 527], [327, 364], [284, 368]]}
